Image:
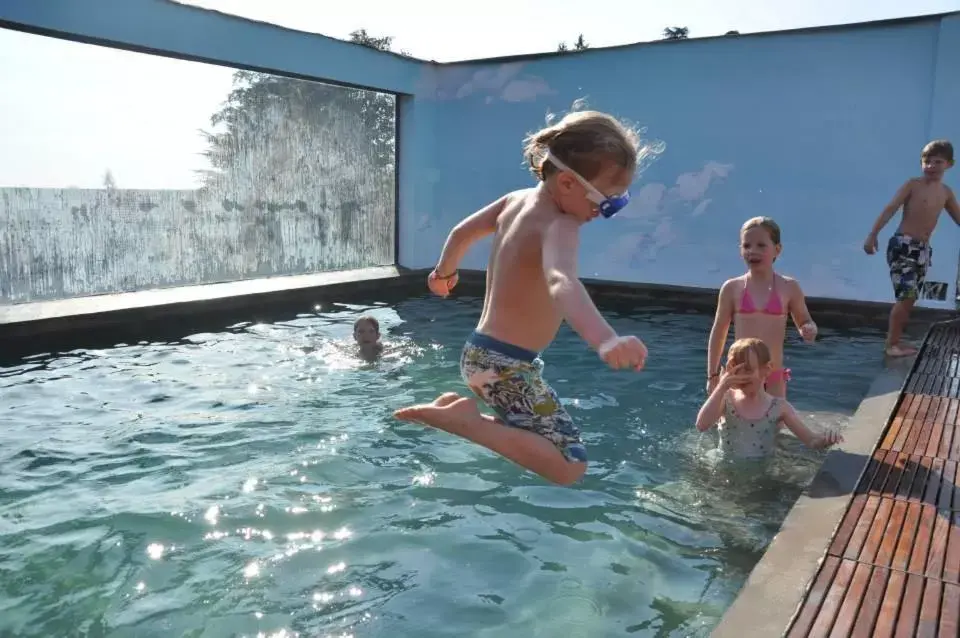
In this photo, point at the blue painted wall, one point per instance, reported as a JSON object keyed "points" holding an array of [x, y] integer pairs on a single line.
{"points": [[817, 129]]}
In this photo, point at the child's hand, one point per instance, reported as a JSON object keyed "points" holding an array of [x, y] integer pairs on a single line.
{"points": [[808, 332], [734, 377], [870, 244], [623, 352], [712, 384], [442, 285], [829, 439]]}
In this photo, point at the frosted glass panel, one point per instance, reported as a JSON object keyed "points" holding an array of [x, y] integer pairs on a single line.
{"points": [[126, 171]]}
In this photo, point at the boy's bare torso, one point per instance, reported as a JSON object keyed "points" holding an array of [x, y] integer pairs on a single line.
{"points": [[517, 307], [922, 208]]}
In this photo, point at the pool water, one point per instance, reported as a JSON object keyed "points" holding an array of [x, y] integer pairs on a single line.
{"points": [[253, 483]]}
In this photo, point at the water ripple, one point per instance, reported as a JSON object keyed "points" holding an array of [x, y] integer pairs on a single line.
{"points": [[253, 483]]}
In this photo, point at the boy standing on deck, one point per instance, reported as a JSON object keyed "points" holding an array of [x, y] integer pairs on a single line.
{"points": [[585, 163], [909, 251]]}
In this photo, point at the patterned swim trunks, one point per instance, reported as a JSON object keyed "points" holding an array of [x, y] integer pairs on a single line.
{"points": [[508, 379], [909, 260]]}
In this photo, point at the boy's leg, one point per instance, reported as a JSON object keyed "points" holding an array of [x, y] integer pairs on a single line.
{"points": [[908, 260], [459, 415], [534, 430]]}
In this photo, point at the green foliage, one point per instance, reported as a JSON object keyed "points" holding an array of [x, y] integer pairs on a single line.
{"points": [[272, 128]]}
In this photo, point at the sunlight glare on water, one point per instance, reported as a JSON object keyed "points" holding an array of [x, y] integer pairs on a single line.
{"points": [[253, 482]]}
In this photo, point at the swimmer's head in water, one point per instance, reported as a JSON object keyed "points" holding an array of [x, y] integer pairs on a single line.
{"points": [[588, 160], [366, 330], [760, 242], [753, 356]]}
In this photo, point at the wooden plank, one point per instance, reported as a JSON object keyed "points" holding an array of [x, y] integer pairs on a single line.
{"points": [[869, 474], [831, 601], [812, 601], [890, 607], [872, 545], [849, 523], [893, 431], [929, 609], [951, 562], [862, 529], [919, 436], [872, 601], [923, 479], [908, 537], [896, 462], [909, 465], [932, 489], [850, 606], [950, 611], [922, 540], [891, 534], [938, 547], [946, 484], [909, 607]]}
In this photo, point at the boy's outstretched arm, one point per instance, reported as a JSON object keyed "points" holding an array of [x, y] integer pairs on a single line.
{"points": [[899, 198], [952, 207], [560, 253], [466, 233]]}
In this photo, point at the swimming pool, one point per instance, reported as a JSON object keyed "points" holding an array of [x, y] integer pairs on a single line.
{"points": [[252, 482]]}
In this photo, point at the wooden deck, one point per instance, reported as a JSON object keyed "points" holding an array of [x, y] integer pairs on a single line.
{"points": [[893, 566]]}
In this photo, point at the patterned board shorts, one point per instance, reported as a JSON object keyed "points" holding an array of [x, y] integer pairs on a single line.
{"points": [[909, 260], [508, 379]]}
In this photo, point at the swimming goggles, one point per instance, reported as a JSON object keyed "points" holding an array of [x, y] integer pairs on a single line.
{"points": [[608, 206]]}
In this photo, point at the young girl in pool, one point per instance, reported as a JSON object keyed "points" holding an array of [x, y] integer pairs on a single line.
{"points": [[751, 415], [757, 303]]}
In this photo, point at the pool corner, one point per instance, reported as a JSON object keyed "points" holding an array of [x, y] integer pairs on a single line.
{"points": [[778, 584]]}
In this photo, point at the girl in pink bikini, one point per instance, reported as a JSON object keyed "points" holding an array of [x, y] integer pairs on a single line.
{"points": [[758, 303]]}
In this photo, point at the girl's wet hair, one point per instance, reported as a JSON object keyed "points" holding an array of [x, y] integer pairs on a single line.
{"points": [[586, 141], [740, 350], [765, 223]]}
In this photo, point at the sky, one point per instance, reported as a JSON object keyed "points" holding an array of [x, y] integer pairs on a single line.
{"points": [[74, 111]]}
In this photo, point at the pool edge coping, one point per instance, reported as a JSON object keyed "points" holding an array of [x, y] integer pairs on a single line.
{"points": [[774, 592]]}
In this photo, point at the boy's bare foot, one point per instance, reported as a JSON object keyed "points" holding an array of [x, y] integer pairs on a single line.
{"points": [[449, 412], [900, 350]]}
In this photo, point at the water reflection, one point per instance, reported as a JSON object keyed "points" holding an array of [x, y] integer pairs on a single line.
{"points": [[252, 481]]}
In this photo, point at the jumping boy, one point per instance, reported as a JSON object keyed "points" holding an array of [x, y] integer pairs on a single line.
{"points": [[909, 251], [585, 164]]}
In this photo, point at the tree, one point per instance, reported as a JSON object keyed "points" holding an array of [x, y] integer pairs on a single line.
{"points": [[579, 45], [273, 126], [109, 182], [676, 33]]}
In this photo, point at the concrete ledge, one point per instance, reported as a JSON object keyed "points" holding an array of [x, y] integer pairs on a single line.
{"points": [[836, 313], [175, 312], [777, 585]]}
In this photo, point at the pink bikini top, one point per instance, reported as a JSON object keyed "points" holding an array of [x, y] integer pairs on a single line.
{"points": [[774, 305]]}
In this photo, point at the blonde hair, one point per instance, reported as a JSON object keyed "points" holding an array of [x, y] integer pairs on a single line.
{"points": [[766, 223], [741, 349], [585, 141]]}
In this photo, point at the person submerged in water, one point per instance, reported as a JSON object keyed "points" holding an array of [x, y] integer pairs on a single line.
{"points": [[746, 415], [366, 332], [585, 163]]}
